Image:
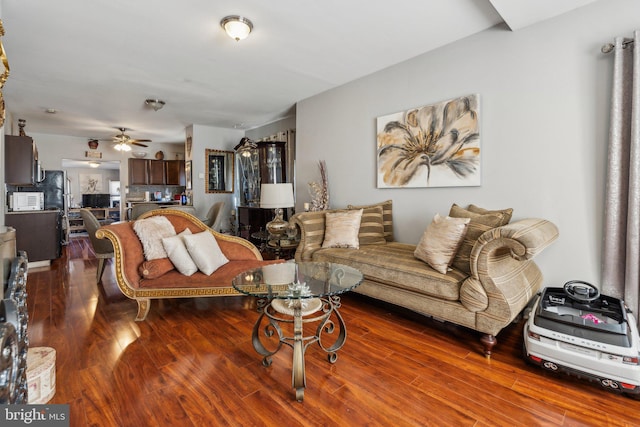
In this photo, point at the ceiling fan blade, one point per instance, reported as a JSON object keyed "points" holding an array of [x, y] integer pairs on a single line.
{"points": [[138, 144], [140, 140]]}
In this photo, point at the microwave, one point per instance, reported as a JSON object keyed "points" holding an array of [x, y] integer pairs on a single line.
{"points": [[26, 201]]}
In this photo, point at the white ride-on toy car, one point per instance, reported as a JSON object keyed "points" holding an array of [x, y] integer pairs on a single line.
{"points": [[576, 330]]}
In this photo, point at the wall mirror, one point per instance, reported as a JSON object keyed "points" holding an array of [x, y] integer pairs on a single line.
{"points": [[220, 169]]}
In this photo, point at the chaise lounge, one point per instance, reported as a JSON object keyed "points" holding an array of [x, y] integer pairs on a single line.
{"points": [[144, 280], [488, 284]]}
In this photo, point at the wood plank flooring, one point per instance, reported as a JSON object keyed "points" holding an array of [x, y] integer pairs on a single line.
{"points": [[191, 363]]}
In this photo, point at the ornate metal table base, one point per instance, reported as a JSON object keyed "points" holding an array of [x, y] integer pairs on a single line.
{"points": [[329, 322]]}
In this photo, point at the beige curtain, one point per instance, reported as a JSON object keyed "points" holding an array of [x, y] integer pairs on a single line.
{"points": [[621, 246]]}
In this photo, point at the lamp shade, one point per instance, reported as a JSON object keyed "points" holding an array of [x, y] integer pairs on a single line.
{"points": [[274, 196]]}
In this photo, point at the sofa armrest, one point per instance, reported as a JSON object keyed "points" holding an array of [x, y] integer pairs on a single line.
{"points": [[503, 275], [523, 240], [311, 226]]}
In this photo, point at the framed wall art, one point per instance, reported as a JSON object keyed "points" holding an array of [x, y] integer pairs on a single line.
{"points": [[436, 145], [187, 174]]}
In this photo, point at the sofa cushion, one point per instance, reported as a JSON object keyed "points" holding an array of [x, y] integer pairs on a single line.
{"points": [[371, 230], [341, 229], [387, 216], [156, 268], [478, 224], [506, 213], [205, 251], [178, 253], [220, 279], [151, 231], [440, 241], [394, 264]]}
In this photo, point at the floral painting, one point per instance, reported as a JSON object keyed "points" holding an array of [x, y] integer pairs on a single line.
{"points": [[432, 146]]}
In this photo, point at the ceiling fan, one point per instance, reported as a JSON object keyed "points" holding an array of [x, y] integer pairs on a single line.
{"points": [[124, 142]]}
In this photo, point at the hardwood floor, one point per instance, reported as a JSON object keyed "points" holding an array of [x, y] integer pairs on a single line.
{"points": [[191, 363]]}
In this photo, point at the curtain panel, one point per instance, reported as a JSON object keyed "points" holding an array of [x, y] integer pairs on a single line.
{"points": [[621, 244]]}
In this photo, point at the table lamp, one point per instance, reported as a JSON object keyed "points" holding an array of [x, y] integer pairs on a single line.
{"points": [[276, 196]]}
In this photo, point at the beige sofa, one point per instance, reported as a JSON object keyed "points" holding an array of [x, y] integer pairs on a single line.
{"points": [[501, 278]]}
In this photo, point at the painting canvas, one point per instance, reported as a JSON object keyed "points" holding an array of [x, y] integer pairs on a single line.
{"points": [[90, 183], [435, 145]]}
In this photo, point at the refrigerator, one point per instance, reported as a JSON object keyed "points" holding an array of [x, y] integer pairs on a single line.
{"points": [[55, 188]]}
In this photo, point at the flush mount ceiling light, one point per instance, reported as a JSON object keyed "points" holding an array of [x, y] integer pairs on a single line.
{"points": [[237, 27], [156, 104]]}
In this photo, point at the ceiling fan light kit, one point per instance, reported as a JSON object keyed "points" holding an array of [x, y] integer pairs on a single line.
{"points": [[123, 142], [156, 104], [122, 146], [237, 27]]}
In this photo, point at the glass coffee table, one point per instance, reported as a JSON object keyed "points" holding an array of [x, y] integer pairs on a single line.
{"points": [[298, 293]]}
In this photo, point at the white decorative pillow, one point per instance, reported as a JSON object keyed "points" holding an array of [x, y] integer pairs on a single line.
{"points": [[178, 253], [151, 231], [341, 229], [205, 252], [441, 241]]}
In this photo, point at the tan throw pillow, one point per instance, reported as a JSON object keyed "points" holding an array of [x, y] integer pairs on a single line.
{"points": [[506, 213], [178, 253], [387, 216], [205, 251], [478, 224], [151, 231], [341, 229], [371, 230], [441, 241]]}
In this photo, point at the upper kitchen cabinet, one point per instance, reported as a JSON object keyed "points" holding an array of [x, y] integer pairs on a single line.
{"points": [[156, 172], [138, 172], [174, 172], [21, 165]]}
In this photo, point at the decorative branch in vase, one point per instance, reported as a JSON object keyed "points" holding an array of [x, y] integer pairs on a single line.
{"points": [[319, 191]]}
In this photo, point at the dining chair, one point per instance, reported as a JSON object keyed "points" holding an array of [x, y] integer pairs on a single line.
{"points": [[214, 216], [102, 248]]}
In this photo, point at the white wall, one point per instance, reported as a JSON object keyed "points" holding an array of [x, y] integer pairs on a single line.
{"points": [[208, 137], [544, 121]]}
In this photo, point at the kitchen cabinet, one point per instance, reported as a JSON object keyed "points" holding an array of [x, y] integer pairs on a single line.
{"points": [[264, 164], [21, 160], [37, 233], [174, 172], [138, 172], [273, 160], [156, 172]]}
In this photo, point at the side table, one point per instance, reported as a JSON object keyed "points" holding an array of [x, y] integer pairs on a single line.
{"points": [[282, 248], [298, 293]]}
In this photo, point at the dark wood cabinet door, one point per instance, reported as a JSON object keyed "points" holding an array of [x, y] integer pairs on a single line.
{"points": [[156, 172], [20, 160], [138, 172], [174, 172], [273, 162], [37, 233]]}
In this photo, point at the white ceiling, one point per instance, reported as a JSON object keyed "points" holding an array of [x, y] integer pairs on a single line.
{"points": [[95, 62]]}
